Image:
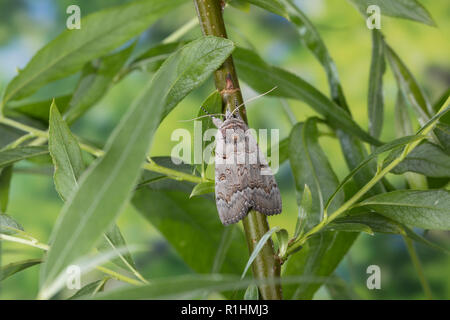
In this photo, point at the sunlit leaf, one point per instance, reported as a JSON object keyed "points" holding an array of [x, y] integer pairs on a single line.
{"points": [[406, 9], [101, 32], [10, 156], [428, 209], [65, 153], [106, 186]]}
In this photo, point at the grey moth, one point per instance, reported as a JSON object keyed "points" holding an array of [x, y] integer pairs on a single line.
{"points": [[243, 178]]}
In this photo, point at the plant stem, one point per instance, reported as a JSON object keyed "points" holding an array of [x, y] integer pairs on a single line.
{"points": [[45, 247], [294, 246], [267, 264], [43, 137], [418, 266]]}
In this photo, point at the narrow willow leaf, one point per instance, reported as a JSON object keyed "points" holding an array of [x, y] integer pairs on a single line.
{"points": [[274, 6], [321, 254], [442, 129], [427, 159], [421, 239], [106, 186], [313, 41], [310, 167], [406, 9], [101, 32], [15, 267], [192, 226], [10, 156], [5, 182], [375, 96], [427, 209], [39, 110], [304, 211], [152, 58], [213, 105], [112, 239], [393, 145], [258, 248], [89, 290], [409, 87], [202, 188], [8, 135], [96, 79], [317, 259], [8, 225], [251, 293], [375, 222], [283, 151], [65, 153], [349, 227], [263, 77], [355, 153], [339, 289], [283, 239]]}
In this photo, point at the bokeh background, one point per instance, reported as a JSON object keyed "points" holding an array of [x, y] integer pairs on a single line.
{"points": [[27, 25]]}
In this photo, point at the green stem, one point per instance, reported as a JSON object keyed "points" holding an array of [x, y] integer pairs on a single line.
{"points": [[267, 265], [45, 247], [418, 266], [294, 246], [43, 137]]}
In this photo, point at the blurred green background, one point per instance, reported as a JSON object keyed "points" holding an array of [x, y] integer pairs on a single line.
{"points": [[27, 25]]}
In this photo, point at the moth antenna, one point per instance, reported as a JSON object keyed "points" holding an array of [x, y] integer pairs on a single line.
{"points": [[208, 115], [253, 98]]}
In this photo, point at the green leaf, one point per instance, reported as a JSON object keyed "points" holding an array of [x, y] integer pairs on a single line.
{"points": [[106, 186], [339, 289], [8, 135], [321, 254], [283, 239], [270, 5], [304, 211], [15, 267], [318, 258], [409, 87], [251, 293], [113, 239], [5, 182], [374, 221], [312, 40], [263, 77], [310, 167], [96, 79], [180, 287], [152, 59], [202, 188], [375, 95], [39, 110], [392, 145], [258, 248], [213, 105], [349, 227], [193, 229], [427, 159], [65, 153], [89, 290], [101, 32], [8, 225], [427, 209], [442, 129], [406, 9], [9, 156]]}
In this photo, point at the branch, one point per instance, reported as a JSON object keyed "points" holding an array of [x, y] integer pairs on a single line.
{"points": [[267, 264]]}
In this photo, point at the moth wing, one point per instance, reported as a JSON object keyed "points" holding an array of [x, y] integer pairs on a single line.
{"points": [[233, 199], [265, 194]]}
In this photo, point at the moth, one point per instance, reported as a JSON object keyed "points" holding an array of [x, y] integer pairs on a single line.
{"points": [[243, 178]]}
